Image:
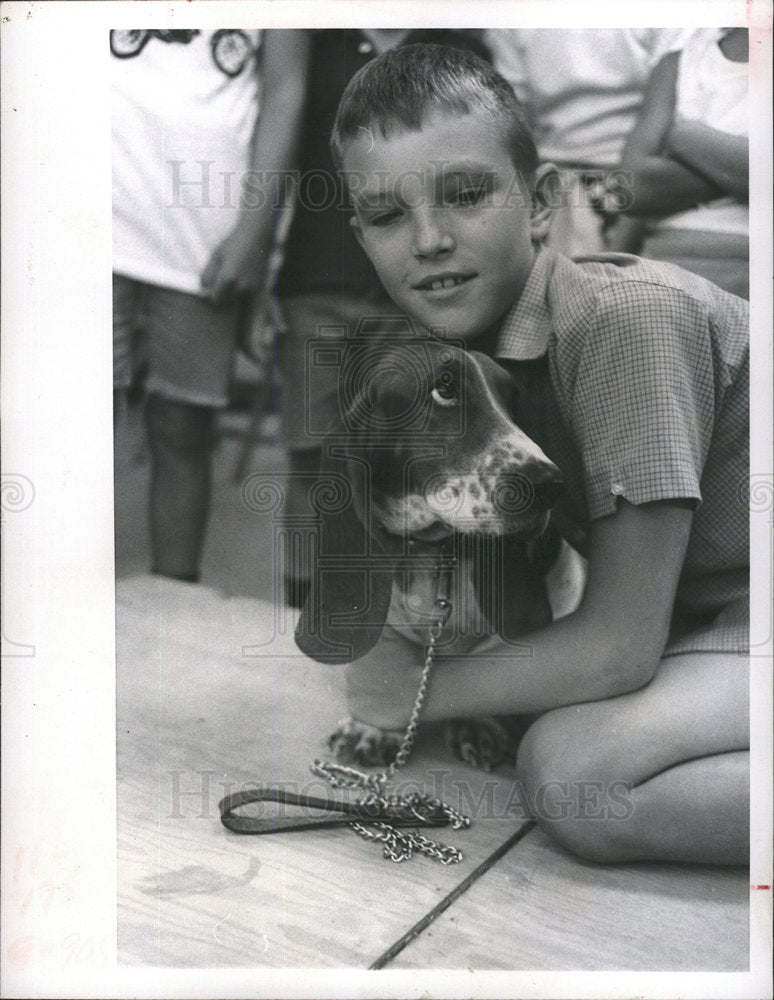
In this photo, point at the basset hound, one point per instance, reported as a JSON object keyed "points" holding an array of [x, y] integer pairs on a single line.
{"points": [[424, 471]]}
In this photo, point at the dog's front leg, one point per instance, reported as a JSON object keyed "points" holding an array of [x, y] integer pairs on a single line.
{"points": [[487, 740], [355, 742], [381, 691]]}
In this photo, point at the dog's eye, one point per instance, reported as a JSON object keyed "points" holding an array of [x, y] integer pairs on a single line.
{"points": [[444, 392]]}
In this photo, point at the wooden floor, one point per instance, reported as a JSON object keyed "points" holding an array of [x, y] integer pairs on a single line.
{"points": [[213, 696]]}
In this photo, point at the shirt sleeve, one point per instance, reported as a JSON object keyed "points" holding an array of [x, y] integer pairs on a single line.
{"points": [[642, 400]]}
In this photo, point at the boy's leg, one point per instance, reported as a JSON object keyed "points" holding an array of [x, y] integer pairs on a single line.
{"points": [[180, 438], [191, 354], [127, 303], [658, 774]]}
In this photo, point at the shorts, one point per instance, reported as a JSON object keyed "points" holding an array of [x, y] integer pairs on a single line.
{"points": [[728, 632], [722, 258], [310, 395], [185, 345]]}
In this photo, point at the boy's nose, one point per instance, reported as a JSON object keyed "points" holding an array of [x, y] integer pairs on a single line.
{"points": [[430, 235]]}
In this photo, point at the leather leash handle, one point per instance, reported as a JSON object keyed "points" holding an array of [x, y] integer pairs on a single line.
{"points": [[338, 813]]}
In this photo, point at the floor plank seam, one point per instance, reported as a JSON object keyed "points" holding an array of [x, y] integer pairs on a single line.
{"points": [[421, 925]]}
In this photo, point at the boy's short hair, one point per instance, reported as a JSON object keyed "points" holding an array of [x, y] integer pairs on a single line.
{"points": [[401, 87]]}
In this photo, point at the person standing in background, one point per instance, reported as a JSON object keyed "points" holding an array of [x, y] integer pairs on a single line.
{"points": [[202, 122], [688, 156], [582, 90]]}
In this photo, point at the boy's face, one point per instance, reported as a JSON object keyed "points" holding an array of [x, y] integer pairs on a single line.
{"points": [[446, 220]]}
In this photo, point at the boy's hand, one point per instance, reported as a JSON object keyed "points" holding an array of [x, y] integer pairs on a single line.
{"points": [[238, 264], [381, 691]]}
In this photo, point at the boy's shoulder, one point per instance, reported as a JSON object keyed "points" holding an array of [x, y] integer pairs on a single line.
{"points": [[604, 274], [635, 291], [572, 308]]}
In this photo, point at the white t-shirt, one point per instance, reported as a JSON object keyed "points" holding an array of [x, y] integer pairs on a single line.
{"points": [[712, 89], [184, 111], [582, 89]]}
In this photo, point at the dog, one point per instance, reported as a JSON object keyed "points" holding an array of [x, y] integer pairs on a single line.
{"points": [[425, 470]]}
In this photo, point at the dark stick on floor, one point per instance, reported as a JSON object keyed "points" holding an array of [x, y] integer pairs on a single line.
{"points": [[446, 902]]}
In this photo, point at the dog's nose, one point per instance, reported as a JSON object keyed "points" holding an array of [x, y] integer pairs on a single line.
{"points": [[522, 491], [548, 488]]}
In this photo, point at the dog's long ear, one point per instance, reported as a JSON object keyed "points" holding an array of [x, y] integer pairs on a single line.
{"points": [[509, 584], [384, 383], [523, 605], [353, 565], [498, 379]]}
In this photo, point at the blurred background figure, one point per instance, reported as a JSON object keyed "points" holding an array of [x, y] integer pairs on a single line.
{"points": [[689, 159], [582, 90], [327, 285], [201, 120]]}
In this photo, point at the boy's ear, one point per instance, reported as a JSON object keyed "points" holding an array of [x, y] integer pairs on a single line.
{"points": [[547, 194], [355, 223]]}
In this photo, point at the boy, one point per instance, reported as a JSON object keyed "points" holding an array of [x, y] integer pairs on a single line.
{"points": [[632, 377]]}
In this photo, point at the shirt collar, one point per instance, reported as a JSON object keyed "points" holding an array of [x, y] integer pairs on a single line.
{"points": [[525, 330]]}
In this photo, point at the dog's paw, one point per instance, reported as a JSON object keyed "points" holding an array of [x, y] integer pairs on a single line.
{"points": [[358, 743], [485, 741]]}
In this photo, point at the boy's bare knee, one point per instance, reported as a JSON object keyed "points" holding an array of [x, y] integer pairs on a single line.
{"points": [[545, 751], [178, 429], [569, 791]]}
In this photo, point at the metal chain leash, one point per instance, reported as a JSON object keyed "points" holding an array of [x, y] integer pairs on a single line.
{"points": [[400, 845]]}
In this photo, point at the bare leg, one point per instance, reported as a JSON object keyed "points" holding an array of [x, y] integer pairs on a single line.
{"points": [[180, 440], [659, 774], [671, 822]]}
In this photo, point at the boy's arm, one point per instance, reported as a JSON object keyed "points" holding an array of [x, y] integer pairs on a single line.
{"points": [[649, 181], [610, 646], [723, 159], [239, 262]]}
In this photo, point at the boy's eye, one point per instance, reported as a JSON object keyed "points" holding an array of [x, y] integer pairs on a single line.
{"points": [[468, 196], [467, 190], [444, 392], [383, 218]]}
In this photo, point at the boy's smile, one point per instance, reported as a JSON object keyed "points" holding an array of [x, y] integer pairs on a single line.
{"points": [[446, 219]]}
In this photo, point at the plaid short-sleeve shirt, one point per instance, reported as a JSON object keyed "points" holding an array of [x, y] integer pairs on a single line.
{"points": [[634, 379]]}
